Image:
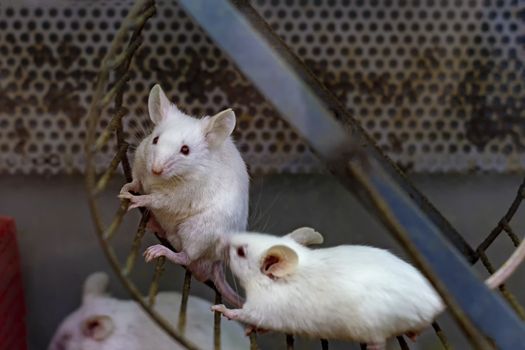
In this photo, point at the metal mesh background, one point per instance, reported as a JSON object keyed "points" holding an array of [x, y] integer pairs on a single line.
{"points": [[439, 84]]}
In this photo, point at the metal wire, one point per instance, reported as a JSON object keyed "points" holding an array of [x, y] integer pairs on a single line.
{"points": [[504, 226], [289, 342], [217, 324]]}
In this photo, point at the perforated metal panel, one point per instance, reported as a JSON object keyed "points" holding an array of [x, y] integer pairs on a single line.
{"points": [[439, 84]]}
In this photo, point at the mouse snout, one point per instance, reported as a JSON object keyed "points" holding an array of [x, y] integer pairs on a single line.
{"points": [[157, 170]]}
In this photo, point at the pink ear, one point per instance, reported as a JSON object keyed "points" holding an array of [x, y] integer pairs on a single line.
{"points": [[219, 127], [98, 327], [269, 263], [279, 261]]}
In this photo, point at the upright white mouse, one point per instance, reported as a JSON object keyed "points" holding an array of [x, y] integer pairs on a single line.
{"points": [[352, 293], [194, 180], [105, 323]]}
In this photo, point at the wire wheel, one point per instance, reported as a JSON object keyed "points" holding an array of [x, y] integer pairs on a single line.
{"points": [[107, 102]]}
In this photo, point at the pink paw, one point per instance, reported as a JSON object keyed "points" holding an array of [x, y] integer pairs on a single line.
{"points": [[229, 314], [130, 187], [156, 251], [134, 201]]}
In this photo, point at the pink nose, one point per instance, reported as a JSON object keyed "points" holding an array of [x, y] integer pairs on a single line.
{"points": [[156, 171]]}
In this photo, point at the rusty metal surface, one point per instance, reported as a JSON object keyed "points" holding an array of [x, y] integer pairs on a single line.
{"points": [[439, 85]]}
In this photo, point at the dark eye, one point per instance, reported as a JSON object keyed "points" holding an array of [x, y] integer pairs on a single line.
{"points": [[185, 150], [241, 252], [155, 140]]}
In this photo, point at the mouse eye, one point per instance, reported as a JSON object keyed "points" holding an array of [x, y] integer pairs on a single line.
{"points": [[155, 140], [185, 150], [241, 252]]}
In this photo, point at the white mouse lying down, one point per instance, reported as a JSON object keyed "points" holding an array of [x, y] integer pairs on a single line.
{"points": [[105, 323], [354, 293]]}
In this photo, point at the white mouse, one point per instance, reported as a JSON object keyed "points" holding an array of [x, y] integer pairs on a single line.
{"points": [[195, 182], [352, 293], [105, 323]]}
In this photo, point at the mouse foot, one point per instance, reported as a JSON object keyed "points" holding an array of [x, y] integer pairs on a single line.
{"points": [[158, 250], [376, 346], [253, 329], [228, 313], [412, 335]]}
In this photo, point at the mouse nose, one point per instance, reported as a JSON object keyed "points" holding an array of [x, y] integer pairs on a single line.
{"points": [[156, 171]]}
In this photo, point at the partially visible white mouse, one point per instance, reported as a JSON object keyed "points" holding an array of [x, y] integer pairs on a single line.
{"points": [[106, 323], [194, 180], [352, 293]]}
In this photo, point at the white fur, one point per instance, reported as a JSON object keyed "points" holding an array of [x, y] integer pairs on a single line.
{"points": [[201, 197], [347, 292], [134, 330]]}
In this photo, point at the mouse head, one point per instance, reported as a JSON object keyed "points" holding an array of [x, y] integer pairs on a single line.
{"points": [[180, 144], [260, 258], [89, 327]]}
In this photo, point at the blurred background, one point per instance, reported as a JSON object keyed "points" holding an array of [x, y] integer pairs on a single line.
{"points": [[437, 84]]}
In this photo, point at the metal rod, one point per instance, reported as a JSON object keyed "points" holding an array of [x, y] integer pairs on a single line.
{"points": [[402, 343], [118, 86], [112, 126], [126, 55], [154, 287], [253, 341], [217, 324], [117, 220], [417, 225], [181, 325], [441, 335], [289, 342], [135, 246], [110, 171]]}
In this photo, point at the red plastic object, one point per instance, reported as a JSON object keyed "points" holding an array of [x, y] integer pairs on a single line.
{"points": [[12, 304]]}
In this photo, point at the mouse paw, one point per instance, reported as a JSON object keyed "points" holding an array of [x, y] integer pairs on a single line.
{"points": [[132, 186], [135, 201], [229, 314], [156, 251]]}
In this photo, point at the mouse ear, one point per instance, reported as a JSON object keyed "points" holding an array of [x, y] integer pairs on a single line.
{"points": [[219, 127], [98, 327], [279, 261], [306, 236], [158, 104], [95, 285]]}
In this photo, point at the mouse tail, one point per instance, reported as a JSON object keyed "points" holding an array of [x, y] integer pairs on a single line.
{"points": [[507, 269]]}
